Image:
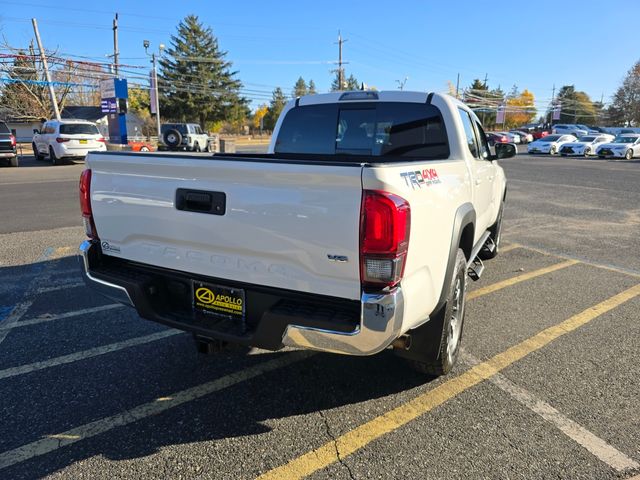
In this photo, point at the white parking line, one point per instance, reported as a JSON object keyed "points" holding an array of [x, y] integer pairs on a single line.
{"points": [[50, 318], [27, 298], [88, 430], [92, 352], [62, 286], [598, 447]]}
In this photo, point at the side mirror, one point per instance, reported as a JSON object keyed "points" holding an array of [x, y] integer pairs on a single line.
{"points": [[505, 150], [36, 131]]}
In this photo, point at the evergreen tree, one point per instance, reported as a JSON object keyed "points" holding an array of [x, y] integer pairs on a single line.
{"points": [[576, 106], [196, 82], [300, 88], [350, 83], [278, 101], [312, 88], [625, 108]]}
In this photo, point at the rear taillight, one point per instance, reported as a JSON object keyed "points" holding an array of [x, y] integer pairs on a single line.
{"points": [[385, 223], [62, 140], [85, 205], [101, 139], [13, 140]]}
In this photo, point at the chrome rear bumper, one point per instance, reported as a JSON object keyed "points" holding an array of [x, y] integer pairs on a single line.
{"points": [[380, 324], [109, 290]]}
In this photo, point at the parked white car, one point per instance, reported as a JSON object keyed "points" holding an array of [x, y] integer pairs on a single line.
{"points": [[623, 146], [525, 137], [513, 137], [550, 144], [59, 139], [585, 145], [562, 129]]}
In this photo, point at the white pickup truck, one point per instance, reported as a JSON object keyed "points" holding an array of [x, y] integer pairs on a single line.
{"points": [[353, 234]]}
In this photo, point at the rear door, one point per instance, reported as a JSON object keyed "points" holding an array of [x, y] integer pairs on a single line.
{"points": [[287, 225], [483, 172]]}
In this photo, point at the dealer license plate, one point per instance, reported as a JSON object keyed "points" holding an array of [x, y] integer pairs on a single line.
{"points": [[209, 299]]}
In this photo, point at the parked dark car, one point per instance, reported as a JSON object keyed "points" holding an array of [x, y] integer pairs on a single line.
{"points": [[494, 138], [8, 149]]}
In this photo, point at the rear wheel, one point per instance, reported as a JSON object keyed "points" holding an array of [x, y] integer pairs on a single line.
{"points": [[38, 156], [587, 151], [52, 156], [446, 326], [629, 154], [553, 150]]}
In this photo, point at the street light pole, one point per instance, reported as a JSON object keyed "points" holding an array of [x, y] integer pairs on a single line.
{"points": [[154, 77], [157, 99]]}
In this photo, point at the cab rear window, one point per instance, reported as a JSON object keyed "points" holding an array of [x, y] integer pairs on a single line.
{"points": [[381, 129]]}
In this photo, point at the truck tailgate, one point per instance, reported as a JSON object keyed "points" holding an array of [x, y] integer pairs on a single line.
{"points": [[285, 225]]}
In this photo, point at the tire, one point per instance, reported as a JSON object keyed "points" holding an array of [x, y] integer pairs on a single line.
{"points": [[196, 147], [37, 155], [14, 162], [144, 148], [447, 325], [629, 154], [552, 151], [172, 138], [496, 235], [52, 156], [587, 151]]}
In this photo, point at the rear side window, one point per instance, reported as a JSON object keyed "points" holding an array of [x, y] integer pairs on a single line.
{"points": [[308, 130], [384, 129], [78, 129], [4, 128], [468, 132]]}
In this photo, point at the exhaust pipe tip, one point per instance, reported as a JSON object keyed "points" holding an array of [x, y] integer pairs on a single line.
{"points": [[403, 342]]}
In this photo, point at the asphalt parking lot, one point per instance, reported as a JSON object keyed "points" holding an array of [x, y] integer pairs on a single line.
{"points": [[547, 386]]}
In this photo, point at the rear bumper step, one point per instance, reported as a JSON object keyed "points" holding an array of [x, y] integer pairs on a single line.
{"points": [[274, 317]]}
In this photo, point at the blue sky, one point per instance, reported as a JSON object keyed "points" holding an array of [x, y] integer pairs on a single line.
{"points": [[531, 44]]}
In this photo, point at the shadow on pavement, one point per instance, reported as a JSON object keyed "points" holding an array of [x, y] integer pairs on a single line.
{"points": [[60, 398]]}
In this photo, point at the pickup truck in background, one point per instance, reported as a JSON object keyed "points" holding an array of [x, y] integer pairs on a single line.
{"points": [[355, 233]]}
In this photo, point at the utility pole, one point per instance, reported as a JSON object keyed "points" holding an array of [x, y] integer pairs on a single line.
{"points": [[115, 45], [43, 58], [340, 71], [401, 83], [457, 85], [553, 104]]}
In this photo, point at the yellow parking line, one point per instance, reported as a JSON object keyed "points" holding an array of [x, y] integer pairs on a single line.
{"points": [[359, 437], [519, 278], [508, 248]]}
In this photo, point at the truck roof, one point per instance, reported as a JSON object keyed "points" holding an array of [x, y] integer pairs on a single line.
{"points": [[370, 96]]}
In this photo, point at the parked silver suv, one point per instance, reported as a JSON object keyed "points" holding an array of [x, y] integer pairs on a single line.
{"points": [[184, 136]]}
